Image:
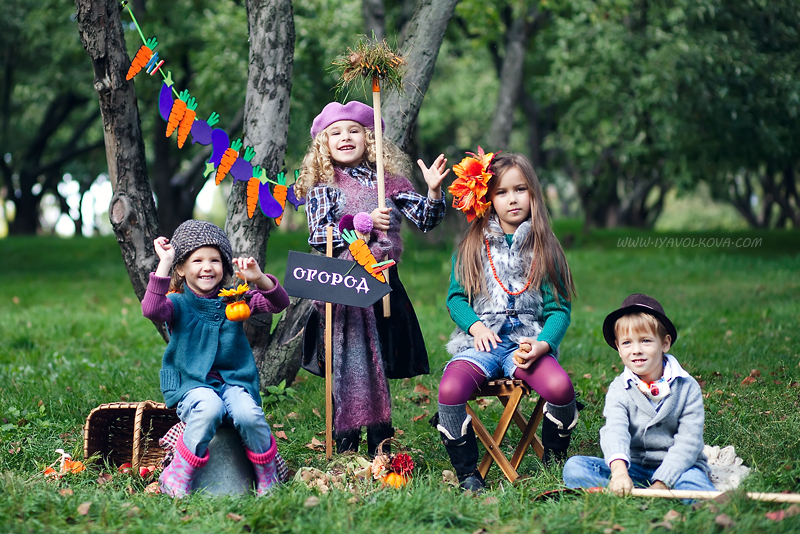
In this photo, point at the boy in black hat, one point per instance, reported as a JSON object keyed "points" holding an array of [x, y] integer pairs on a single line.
{"points": [[653, 434]]}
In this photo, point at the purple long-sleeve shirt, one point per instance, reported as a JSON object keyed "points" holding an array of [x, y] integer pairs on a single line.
{"points": [[158, 308]]}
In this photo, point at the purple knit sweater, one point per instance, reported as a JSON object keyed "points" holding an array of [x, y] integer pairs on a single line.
{"points": [[158, 308]]}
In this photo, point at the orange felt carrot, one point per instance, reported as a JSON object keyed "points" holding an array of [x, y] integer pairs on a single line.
{"points": [[279, 193], [229, 157], [177, 112], [252, 191], [362, 254], [187, 121], [141, 58]]}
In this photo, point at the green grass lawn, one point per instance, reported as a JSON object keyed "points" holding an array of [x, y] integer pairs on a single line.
{"points": [[72, 337]]}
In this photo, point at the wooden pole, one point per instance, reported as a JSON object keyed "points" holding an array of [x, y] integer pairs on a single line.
{"points": [[376, 108], [692, 494], [329, 361]]}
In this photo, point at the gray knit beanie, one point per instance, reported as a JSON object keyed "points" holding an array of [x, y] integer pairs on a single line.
{"points": [[193, 234]]}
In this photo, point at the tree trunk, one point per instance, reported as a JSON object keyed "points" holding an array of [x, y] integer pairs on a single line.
{"points": [[132, 210], [266, 120], [424, 36], [374, 18], [511, 78]]}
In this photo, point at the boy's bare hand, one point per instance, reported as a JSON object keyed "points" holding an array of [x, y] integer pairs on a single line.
{"points": [[485, 339], [380, 218], [434, 175], [621, 482], [658, 485]]}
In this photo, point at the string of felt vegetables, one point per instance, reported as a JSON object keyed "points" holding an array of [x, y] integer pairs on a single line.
{"points": [[179, 110]]}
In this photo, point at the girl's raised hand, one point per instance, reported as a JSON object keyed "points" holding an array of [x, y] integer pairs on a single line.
{"points": [[166, 255], [434, 175], [247, 269], [485, 339]]}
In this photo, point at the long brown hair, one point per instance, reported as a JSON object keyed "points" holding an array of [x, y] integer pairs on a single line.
{"points": [[549, 263]]}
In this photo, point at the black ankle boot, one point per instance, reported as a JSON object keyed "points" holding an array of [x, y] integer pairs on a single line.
{"points": [[377, 434], [463, 454], [555, 445], [347, 441]]}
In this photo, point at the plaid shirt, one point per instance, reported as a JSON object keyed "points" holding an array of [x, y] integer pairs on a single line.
{"points": [[424, 212]]}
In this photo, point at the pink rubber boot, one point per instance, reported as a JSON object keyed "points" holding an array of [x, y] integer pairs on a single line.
{"points": [[176, 479], [264, 464]]}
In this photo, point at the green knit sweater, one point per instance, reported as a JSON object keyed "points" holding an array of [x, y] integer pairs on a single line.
{"points": [[555, 318]]}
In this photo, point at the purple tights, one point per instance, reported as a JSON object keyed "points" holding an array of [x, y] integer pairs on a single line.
{"points": [[461, 378]]}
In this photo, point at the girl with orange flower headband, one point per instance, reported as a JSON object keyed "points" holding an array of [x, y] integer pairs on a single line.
{"points": [[509, 296]]}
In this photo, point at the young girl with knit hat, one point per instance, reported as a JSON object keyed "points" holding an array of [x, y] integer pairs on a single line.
{"points": [[339, 182], [208, 370], [510, 287]]}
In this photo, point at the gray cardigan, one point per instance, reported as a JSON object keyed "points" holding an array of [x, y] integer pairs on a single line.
{"points": [[670, 439]]}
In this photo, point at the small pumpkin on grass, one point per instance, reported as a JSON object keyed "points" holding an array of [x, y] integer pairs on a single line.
{"points": [[237, 308], [393, 469]]}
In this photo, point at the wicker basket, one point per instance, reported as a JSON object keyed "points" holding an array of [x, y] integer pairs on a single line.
{"points": [[128, 432]]}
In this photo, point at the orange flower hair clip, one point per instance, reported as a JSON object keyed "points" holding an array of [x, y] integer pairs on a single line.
{"points": [[470, 188]]}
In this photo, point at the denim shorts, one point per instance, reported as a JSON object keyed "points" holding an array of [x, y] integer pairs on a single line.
{"points": [[499, 362]]}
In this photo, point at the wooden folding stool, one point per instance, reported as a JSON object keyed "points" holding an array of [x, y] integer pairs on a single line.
{"points": [[510, 392]]}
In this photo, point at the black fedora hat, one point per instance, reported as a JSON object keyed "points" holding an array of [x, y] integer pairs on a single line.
{"points": [[637, 303]]}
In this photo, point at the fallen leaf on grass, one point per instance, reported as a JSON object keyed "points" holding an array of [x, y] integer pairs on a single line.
{"points": [[105, 478], [188, 517], [484, 402], [419, 388], [587, 376], [724, 521], [755, 373], [281, 434], [292, 415], [83, 508], [420, 416], [780, 515], [277, 425], [234, 517], [315, 445], [747, 381], [673, 515], [490, 500], [316, 412], [133, 511], [65, 492], [448, 477], [311, 501]]}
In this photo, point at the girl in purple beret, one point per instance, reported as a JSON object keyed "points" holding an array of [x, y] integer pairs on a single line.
{"points": [[339, 182]]}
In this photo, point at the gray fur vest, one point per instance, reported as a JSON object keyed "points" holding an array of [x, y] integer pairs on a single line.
{"points": [[513, 268]]}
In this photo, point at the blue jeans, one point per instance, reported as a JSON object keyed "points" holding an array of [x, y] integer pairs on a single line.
{"points": [[500, 361], [203, 410], [592, 472]]}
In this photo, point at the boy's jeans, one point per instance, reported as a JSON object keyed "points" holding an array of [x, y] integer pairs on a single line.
{"points": [[591, 472]]}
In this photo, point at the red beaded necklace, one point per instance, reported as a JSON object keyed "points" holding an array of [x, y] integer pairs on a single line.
{"points": [[494, 272]]}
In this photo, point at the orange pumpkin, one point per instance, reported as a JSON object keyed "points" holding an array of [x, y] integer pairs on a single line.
{"points": [[237, 311], [396, 480]]}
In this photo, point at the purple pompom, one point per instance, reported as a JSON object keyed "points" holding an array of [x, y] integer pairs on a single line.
{"points": [[346, 223], [362, 223]]}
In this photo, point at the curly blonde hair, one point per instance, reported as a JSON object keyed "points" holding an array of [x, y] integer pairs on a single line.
{"points": [[317, 165]]}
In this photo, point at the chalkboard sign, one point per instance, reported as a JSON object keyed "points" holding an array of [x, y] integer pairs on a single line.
{"points": [[311, 276]]}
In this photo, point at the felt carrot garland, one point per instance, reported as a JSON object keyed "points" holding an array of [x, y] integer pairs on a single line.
{"points": [[279, 194], [179, 110], [187, 121], [228, 159], [142, 57]]}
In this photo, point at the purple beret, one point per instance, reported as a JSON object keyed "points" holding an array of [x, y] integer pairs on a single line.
{"points": [[352, 111]]}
